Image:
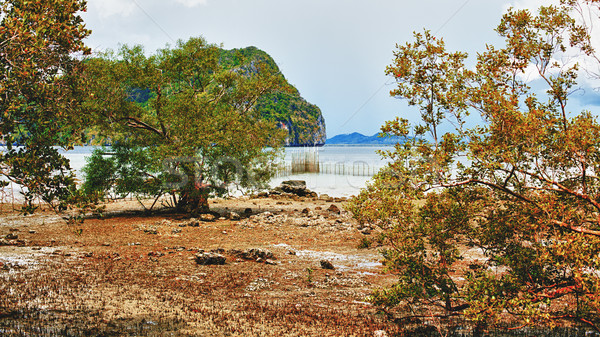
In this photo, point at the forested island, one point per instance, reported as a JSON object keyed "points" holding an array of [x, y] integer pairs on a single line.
{"points": [[303, 121]]}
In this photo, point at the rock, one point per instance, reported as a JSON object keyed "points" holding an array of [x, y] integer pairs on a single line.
{"points": [[176, 231], [11, 236], [380, 333], [293, 188], [324, 197], [207, 217], [270, 262], [325, 264], [151, 231], [163, 222], [156, 254], [294, 183], [106, 244], [334, 209], [233, 216], [248, 211], [257, 255], [291, 252], [305, 211], [206, 259], [32, 232]]}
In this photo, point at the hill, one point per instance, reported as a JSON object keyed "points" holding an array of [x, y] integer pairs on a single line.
{"points": [[360, 139], [302, 120]]}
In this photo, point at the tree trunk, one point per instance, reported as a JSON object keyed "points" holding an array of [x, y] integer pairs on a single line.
{"points": [[194, 199]]}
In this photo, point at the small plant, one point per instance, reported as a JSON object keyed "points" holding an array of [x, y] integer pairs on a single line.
{"points": [[309, 276], [365, 243]]}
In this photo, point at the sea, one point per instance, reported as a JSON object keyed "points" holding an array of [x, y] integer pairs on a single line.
{"points": [[344, 170]]}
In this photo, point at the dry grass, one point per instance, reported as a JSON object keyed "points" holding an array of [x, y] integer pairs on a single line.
{"points": [[115, 278]]}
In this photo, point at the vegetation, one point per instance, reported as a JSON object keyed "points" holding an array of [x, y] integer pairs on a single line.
{"points": [[186, 124], [500, 221], [302, 120], [40, 95]]}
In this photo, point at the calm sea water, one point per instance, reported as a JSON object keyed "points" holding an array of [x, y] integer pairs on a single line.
{"points": [[357, 162]]}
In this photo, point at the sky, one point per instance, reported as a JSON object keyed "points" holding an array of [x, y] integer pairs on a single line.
{"points": [[333, 51]]}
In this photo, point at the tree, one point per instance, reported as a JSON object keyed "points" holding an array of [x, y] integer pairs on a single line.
{"points": [[497, 222], [192, 118], [40, 94]]}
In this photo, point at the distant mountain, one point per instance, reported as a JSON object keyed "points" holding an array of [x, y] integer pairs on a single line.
{"points": [[360, 139]]}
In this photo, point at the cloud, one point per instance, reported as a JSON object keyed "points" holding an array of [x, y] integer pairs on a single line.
{"points": [[532, 5], [108, 8], [192, 3]]}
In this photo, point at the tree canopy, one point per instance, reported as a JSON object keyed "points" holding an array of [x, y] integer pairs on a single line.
{"points": [[40, 94], [497, 222], [190, 113]]}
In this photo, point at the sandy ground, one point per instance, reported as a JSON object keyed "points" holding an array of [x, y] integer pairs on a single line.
{"points": [[129, 273]]}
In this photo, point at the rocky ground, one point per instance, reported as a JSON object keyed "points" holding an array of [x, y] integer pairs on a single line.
{"points": [[277, 264]]}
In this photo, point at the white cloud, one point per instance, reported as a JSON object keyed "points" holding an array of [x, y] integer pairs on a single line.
{"points": [[532, 5], [192, 3], [107, 8]]}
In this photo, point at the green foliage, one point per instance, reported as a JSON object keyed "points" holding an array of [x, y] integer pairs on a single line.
{"points": [[500, 221], [40, 95], [122, 171], [197, 133], [302, 120]]}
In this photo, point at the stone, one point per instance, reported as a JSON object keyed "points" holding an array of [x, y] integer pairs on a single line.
{"points": [[151, 231], [380, 333], [156, 254], [293, 188], [334, 209], [325, 264], [11, 236], [248, 211], [207, 259], [257, 255], [233, 216], [207, 217]]}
